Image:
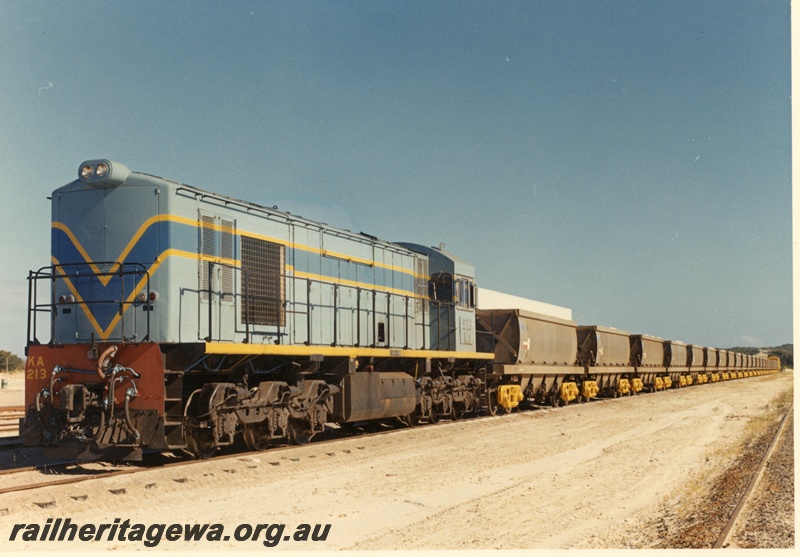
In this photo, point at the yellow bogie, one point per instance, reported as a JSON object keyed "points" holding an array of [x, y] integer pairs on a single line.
{"points": [[589, 389], [667, 383], [568, 391], [682, 381], [659, 384], [637, 385], [509, 396], [623, 387]]}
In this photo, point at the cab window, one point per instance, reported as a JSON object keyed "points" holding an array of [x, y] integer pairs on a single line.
{"points": [[465, 293], [441, 288]]}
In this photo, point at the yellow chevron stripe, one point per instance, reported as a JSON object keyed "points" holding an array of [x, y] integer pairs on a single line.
{"points": [[103, 334], [104, 280]]}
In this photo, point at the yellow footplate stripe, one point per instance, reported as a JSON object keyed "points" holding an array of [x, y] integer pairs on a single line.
{"points": [[334, 351]]}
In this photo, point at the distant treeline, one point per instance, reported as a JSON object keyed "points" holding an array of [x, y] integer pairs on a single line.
{"points": [[9, 361], [784, 352]]}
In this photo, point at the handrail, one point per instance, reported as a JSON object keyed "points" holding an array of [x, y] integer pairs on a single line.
{"points": [[63, 271], [307, 307]]}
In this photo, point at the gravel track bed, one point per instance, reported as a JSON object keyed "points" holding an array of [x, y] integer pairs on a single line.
{"points": [[768, 519]]}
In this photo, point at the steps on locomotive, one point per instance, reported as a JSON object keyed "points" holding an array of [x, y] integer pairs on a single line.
{"points": [[173, 408]]}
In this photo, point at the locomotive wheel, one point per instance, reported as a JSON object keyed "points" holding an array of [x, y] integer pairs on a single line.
{"points": [[256, 436], [455, 410], [410, 420], [491, 400], [296, 434], [433, 418], [200, 442]]}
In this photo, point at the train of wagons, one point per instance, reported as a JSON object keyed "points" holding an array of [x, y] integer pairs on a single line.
{"points": [[175, 319]]}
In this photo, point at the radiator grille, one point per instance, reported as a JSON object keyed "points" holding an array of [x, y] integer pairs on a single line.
{"points": [[263, 263]]}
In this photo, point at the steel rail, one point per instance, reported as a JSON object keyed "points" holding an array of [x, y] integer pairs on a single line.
{"points": [[726, 531], [189, 462]]}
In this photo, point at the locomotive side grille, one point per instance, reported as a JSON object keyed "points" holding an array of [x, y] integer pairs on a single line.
{"points": [[216, 243], [207, 249], [421, 282], [226, 252], [263, 262]]}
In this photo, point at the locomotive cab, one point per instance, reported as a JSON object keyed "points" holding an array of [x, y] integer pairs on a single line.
{"points": [[452, 302]]}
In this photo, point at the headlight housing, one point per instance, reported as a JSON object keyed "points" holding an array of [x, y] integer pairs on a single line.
{"points": [[103, 172]]}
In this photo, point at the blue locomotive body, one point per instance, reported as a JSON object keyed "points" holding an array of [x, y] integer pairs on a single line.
{"points": [[150, 259]]}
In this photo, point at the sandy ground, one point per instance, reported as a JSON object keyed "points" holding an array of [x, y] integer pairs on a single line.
{"points": [[13, 394], [579, 476]]}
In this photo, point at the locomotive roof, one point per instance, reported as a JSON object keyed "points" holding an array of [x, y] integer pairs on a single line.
{"points": [[139, 179]]}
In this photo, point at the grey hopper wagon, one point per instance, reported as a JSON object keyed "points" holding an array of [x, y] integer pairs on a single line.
{"points": [[536, 351], [605, 354]]}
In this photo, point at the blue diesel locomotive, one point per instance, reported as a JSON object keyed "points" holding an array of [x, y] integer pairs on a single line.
{"points": [[175, 319]]}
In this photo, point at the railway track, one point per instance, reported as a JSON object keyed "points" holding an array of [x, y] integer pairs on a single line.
{"points": [[9, 418], [72, 472], [725, 534], [76, 474], [335, 433]]}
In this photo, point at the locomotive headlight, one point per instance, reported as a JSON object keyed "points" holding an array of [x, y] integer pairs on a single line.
{"points": [[151, 296], [103, 172]]}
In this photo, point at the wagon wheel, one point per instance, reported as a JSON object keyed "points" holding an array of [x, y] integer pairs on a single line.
{"points": [[256, 436]]}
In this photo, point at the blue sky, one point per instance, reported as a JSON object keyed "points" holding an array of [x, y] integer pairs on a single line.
{"points": [[630, 160]]}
